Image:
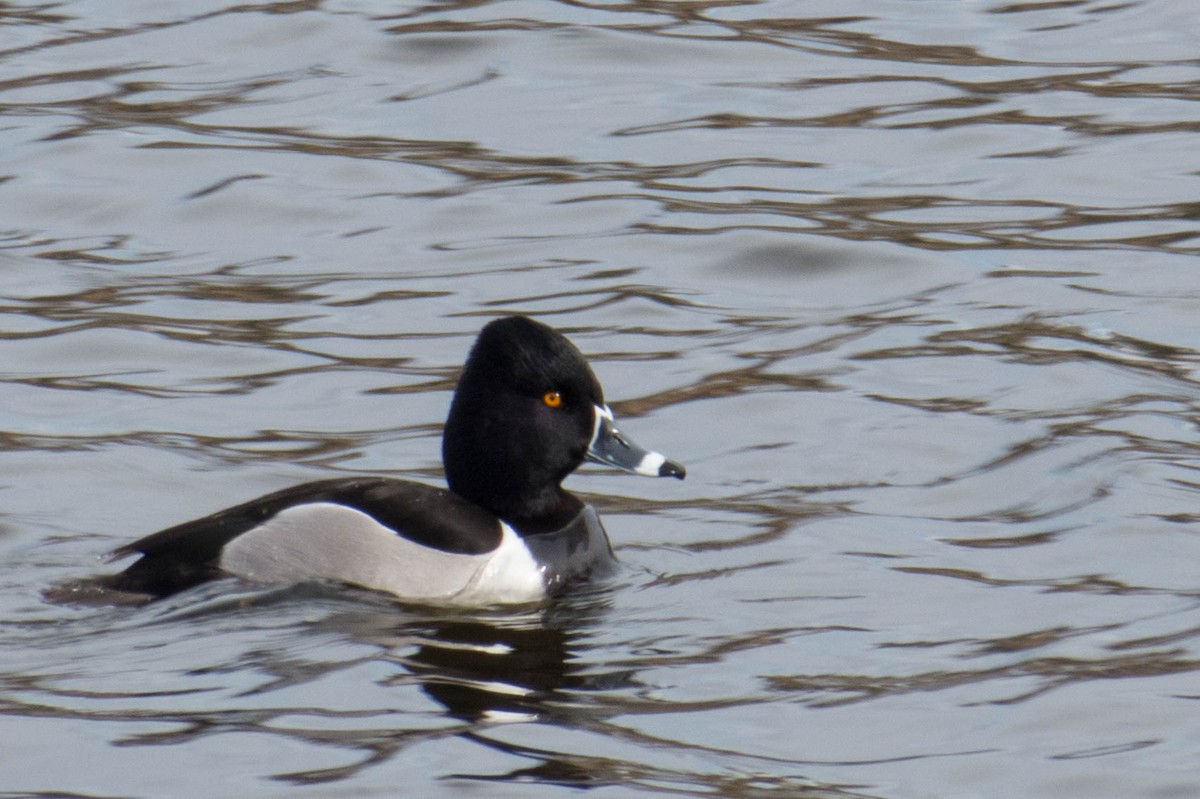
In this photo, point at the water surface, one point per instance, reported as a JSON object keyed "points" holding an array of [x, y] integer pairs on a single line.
{"points": [[910, 287]]}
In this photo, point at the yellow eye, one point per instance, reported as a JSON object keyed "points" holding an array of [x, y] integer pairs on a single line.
{"points": [[552, 399]]}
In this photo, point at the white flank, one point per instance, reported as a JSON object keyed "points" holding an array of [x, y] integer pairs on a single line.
{"points": [[324, 540]]}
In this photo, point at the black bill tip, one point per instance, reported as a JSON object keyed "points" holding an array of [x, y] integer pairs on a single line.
{"points": [[672, 469]]}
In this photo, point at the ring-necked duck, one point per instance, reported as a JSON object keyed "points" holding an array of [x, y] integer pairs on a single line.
{"points": [[527, 411]]}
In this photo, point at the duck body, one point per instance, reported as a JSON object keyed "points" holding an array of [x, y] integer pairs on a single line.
{"points": [[526, 413], [415, 541]]}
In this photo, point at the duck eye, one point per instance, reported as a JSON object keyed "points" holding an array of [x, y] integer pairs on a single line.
{"points": [[552, 399]]}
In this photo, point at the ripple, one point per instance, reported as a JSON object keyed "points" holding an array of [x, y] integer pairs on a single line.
{"points": [[911, 294]]}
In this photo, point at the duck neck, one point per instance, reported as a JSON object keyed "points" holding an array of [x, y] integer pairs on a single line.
{"points": [[529, 509], [561, 511], [508, 480]]}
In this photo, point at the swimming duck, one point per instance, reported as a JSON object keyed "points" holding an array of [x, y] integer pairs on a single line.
{"points": [[527, 411]]}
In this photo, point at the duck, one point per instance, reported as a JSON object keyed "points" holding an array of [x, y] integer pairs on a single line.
{"points": [[527, 411]]}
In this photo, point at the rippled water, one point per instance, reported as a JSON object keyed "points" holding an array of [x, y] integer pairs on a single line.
{"points": [[911, 288]]}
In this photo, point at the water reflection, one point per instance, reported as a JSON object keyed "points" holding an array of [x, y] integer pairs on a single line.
{"points": [[913, 285], [484, 669], [1041, 673], [497, 666]]}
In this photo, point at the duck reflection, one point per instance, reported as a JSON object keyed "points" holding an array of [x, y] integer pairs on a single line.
{"points": [[484, 667], [491, 666], [487, 668]]}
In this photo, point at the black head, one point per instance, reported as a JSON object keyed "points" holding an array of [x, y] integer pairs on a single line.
{"points": [[522, 418]]}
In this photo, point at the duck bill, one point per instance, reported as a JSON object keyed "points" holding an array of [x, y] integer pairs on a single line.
{"points": [[611, 446]]}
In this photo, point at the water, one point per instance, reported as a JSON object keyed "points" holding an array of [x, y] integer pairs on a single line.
{"points": [[910, 287]]}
